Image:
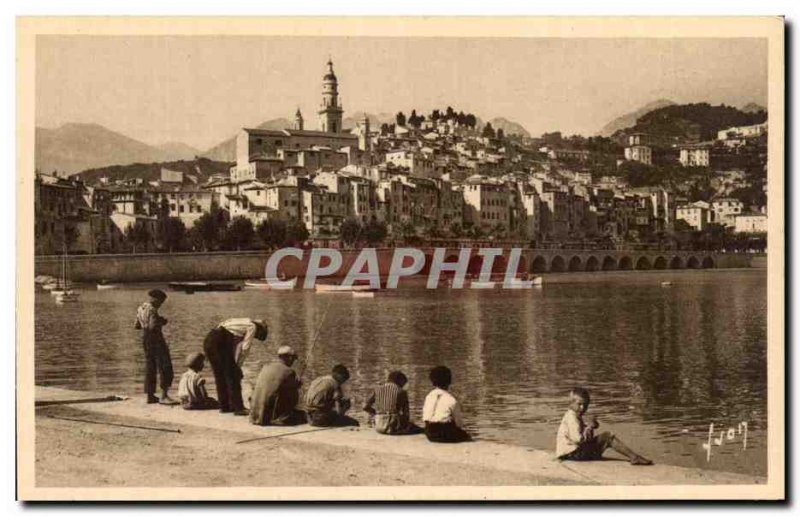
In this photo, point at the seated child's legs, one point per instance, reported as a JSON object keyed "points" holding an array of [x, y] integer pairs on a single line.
{"points": [[592, 449], [445, 433]]}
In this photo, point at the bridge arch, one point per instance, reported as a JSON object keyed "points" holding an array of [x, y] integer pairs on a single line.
{"points": [[592, 264], [676, 263], [557, 264], [609, 263], [522, 265], [643, 264], [660, 263], [539, 264], [692, 263], [708, 263], [625, 263], [574, 264]]}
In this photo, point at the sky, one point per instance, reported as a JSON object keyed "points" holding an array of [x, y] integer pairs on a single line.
{"points": [[200, 90]]}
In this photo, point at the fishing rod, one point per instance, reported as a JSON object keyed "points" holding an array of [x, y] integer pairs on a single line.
{"points": [[171, 430], [287, 434], [302, 368]]}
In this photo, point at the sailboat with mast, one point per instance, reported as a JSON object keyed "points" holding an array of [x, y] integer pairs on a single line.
{"points": [[63, 291]]}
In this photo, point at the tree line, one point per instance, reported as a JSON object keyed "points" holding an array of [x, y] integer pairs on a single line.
{"points": [[215, 231]]}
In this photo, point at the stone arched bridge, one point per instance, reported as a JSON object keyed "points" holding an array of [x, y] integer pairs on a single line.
{"points": [[250, 264], [567, 260]]}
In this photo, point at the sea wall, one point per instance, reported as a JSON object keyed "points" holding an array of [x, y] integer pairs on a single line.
{"points": [[251, 264]]}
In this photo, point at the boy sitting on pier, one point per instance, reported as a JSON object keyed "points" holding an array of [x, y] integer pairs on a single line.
{"points": [[441, 411], [388, 409], [192, 387], [577, 441], [325, 402]]}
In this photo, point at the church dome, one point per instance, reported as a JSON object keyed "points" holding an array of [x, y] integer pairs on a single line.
{"points": [[330, 76]]}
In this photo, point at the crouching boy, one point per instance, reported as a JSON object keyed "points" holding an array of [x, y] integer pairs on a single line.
{"points": [[577, 441], [192, 387]]}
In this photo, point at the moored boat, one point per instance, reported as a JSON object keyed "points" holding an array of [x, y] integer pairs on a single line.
{"points": [[340, 289], [203, 286], [66, 296], [62, 289], [263, 284], [105, 285]]}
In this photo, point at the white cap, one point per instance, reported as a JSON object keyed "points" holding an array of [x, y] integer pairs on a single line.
{"points": [[286, 350]]}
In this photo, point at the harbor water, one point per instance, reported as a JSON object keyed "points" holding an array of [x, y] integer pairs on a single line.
{"points": [[662, 363]]}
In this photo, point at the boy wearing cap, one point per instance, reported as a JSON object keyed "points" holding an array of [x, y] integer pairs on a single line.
{"points": [[325, 401], [192, 387], [277, 392], [156, 351], [227, 347]]}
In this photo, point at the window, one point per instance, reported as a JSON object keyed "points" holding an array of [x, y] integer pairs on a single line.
{"points": [[181, 208]]}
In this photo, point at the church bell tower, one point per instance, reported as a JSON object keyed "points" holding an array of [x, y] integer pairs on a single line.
{"points": [[330, 112]]}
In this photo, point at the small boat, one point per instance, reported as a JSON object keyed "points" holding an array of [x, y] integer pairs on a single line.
{"points": [[66, 296], [537, 281], [50, 286], [364, 295], [62, 290], [43, 279], [340, 289], [666, 284], [203, 286], [266, 285], [483, 284], [104, 285]]}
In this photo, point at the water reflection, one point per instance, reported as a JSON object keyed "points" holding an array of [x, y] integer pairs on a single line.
{"points": [[661, 363]]}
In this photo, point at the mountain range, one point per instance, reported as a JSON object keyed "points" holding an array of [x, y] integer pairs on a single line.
{"points": [[75, 147], [629, 119]]}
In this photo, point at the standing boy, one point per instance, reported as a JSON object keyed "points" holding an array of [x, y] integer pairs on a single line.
{"points": [[441, 411], [156, 351], [227, 347], [577, 441]]}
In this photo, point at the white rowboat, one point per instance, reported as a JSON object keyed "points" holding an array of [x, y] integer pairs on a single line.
{"points": [[340, 289]]}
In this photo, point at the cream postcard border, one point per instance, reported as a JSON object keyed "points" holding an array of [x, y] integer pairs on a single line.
{"points": [[771, 28]]}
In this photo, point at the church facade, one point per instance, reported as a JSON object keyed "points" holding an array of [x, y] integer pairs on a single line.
{"points": [[260, 153]]}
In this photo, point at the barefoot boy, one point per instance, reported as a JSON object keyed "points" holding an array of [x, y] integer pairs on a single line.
{"points": [[577, 441]]}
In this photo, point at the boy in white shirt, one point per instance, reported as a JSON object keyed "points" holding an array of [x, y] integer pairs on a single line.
{"points": [[577, 441], [441, 411], [192, 387]]}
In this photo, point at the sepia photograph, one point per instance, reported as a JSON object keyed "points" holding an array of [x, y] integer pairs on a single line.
{"points": [[400, 258]]}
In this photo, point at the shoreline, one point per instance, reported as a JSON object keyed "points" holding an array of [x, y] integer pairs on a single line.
{"points": [[243, 265], [419, 281], [208, 446]]}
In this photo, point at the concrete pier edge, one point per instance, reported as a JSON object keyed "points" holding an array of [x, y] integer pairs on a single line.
{"points": [[490, 455]]}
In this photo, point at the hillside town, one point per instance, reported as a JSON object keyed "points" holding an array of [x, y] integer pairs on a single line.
{"points": [[441, 177]]}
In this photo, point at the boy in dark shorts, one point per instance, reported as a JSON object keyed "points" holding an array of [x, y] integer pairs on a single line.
{"points": [[441, 411], [577, 441]]}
